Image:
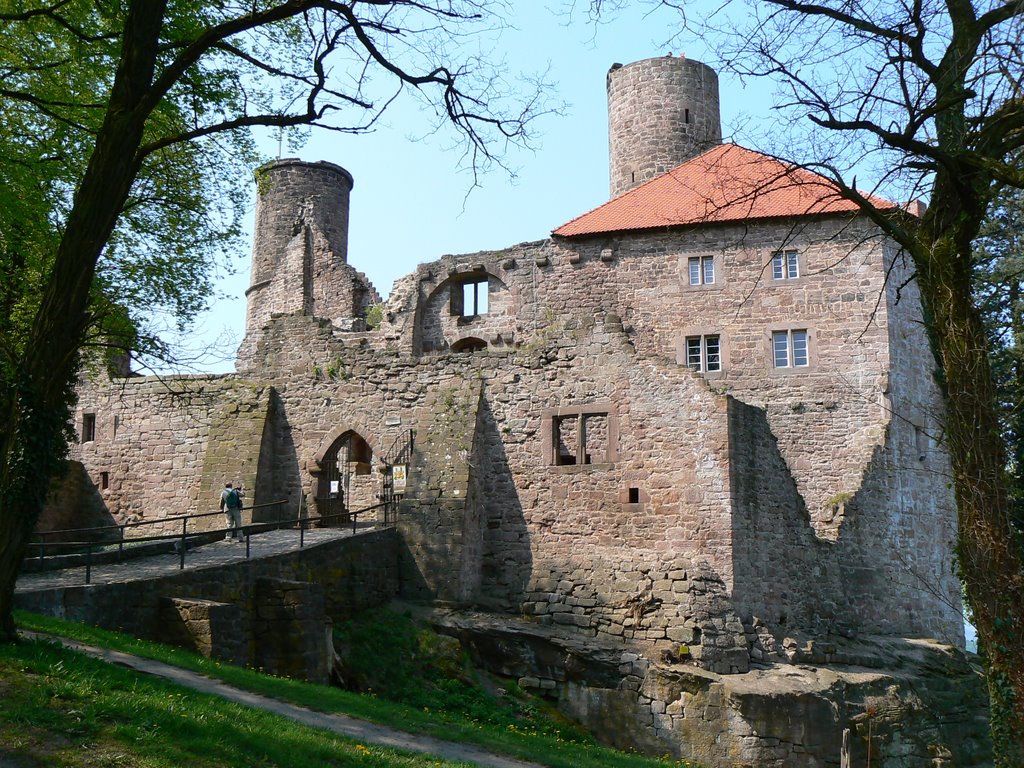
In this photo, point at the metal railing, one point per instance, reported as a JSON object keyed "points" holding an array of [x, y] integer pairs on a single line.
{"points": [[181, 542]]}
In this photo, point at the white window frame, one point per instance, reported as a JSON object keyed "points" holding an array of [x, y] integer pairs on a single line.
{"points": [[700, 269], [791, 348], [785, 265], [698, 356]]}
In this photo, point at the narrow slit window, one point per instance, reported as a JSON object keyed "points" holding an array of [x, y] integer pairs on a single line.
{"points": [[634, 495], [88, 427], [104, 480]]}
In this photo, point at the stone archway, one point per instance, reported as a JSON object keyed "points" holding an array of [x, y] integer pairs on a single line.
{"points": [[344, 478]]}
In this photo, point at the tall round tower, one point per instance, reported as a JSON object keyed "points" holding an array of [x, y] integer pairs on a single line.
{"points": [[301, 238], [661, 112]]}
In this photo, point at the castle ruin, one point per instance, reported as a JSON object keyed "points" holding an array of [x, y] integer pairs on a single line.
{"points": [[698, 421]]}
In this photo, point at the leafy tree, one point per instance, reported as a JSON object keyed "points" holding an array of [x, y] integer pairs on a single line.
{"points": [[927, 96], [999, 292], [124, 154]]}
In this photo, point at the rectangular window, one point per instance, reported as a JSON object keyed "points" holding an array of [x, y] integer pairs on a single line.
{"points": [[566, 434], [704, 353], [789, 349], [785, 265], [702, 270], [595, 438], [709, 270], [469, 297], [474, 298], [88, 427], [799, 339], [581, 438]]}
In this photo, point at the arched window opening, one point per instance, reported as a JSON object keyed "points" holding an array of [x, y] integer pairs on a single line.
{"points": [[469, 344]]}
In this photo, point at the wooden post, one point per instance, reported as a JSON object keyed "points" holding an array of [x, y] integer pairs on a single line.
{"points": [[844, 754]]}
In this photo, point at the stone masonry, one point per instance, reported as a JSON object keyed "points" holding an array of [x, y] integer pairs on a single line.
{"points": [[572, 464]]}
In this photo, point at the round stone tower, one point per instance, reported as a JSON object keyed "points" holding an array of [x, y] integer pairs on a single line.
{"points": [[301, 231], [661, 112], [300, 244]]}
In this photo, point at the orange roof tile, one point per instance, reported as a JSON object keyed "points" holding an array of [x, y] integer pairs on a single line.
{"points": [[726, 183]]}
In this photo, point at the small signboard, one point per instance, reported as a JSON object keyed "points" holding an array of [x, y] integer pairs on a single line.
{"points": [[398, 476], [335, 487]]}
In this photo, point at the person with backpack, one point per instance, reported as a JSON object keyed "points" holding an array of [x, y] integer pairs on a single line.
{"points": [[231, 506]]}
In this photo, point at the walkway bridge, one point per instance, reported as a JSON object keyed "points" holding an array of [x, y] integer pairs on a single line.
{"points": [[264, 602]]}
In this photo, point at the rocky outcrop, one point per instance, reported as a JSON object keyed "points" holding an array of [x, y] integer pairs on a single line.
{"points": [[915, 703]]}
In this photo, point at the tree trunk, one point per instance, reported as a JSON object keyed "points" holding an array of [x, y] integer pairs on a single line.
{"points": [[988, 554], [40, 394]]}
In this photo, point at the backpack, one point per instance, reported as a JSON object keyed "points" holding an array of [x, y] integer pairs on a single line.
{"points": [[233, 499]]}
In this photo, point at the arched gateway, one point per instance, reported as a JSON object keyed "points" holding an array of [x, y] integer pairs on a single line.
{"points": [[345, 479]]}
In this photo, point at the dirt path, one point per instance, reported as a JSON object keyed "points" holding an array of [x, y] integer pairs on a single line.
{"points": [[360, 730]]}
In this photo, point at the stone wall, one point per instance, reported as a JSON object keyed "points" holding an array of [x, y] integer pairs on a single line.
{"points": [[151, 456], [276, 602]]}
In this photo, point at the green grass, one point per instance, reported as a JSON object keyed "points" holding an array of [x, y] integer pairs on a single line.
{"points": [[419, 668], [535, 740], [63, 709]]}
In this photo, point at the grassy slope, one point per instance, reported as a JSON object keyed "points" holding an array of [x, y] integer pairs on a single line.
{"points": [[539, 742], [62, 709]]}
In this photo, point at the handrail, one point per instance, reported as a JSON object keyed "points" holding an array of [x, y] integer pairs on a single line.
{"points": [[140, 523], [182, 538]]}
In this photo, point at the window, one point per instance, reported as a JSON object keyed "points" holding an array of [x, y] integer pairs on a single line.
{"points": [[581, 438], [566, 439], [702, 270], [88, 427], [469, 297], [785, 265], [789, 349], [469, 344], [704, 353], [104, 480], [634, 495]]}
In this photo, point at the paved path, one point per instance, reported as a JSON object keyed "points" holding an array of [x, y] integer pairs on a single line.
{"points": [[360, 730], [209, 555]]}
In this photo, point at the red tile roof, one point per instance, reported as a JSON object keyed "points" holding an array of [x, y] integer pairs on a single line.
{"points": [[726, 183]]}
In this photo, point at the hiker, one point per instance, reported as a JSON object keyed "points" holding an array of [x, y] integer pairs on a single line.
{"points": [[231, 506]]}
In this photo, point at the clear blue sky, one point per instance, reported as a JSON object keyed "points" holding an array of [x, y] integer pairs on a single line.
{"points": [[412, 203]]}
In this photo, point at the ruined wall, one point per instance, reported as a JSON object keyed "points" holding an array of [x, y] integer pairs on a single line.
{"points": [[300, 249], [829, 416], [151, 443], [491, 517], [440, 328]]}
